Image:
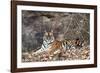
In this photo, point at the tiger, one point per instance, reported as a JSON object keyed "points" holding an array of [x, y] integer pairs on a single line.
{"points": [[54, 46]]}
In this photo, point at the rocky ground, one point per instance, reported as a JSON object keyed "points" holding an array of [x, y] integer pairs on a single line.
{"points": [[82, 53]]}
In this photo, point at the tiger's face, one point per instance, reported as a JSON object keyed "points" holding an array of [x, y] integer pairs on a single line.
{"points": [[48, 36]]}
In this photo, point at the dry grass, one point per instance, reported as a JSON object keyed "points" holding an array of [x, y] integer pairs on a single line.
{"points": [[82, 53]]}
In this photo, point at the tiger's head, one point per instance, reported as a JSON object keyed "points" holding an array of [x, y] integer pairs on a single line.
{"points": [[48, 36]]}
